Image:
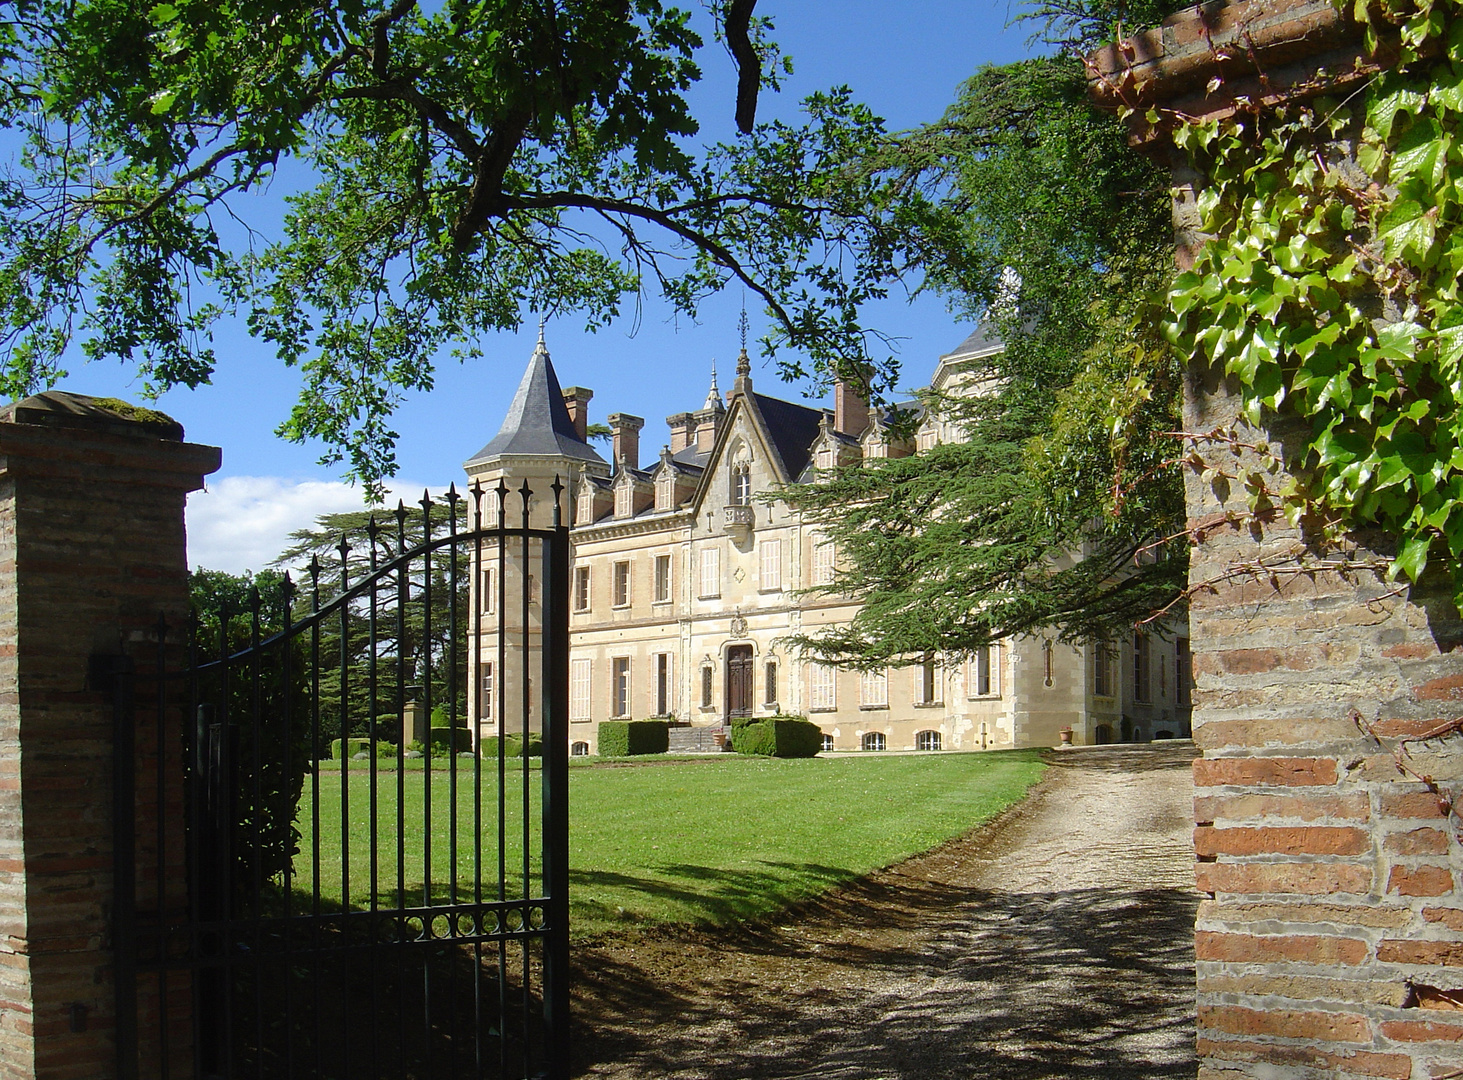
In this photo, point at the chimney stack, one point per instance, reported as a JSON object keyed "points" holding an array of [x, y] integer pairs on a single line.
{"points": [[626, 431], [577, 399], [850, 410], [683, 430]]}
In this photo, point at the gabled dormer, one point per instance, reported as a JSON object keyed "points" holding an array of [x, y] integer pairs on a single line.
{"points": [[675, 482], [595, 500], [633, 493], [833, 449], [878, 442]]}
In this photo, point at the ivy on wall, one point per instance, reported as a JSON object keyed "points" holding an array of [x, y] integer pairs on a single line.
{"points": [[1331, 291]]}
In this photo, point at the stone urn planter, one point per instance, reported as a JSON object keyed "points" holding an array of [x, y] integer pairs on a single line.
{"points": [[1066, 736]]}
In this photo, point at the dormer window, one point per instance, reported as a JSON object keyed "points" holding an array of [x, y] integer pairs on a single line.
{"points": [[665, 492], [825, 457], [624, 501], [585, 511], [741, 485]]}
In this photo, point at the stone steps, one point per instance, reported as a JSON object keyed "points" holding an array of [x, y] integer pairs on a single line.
{"points": [[695, 740]]}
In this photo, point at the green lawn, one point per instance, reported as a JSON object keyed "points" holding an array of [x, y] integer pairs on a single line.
{"points": [[697, 841]]}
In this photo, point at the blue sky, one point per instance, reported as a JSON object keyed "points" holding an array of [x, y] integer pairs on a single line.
{"points": [[904, 60]]}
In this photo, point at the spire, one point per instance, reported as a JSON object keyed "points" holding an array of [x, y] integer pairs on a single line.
{"points": [[713, 396], [538, 421]]}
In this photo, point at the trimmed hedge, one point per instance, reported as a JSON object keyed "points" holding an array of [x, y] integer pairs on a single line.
{"points": [[778, 736], [626, 738], [354, 746], [442, 739], [513, 747]]}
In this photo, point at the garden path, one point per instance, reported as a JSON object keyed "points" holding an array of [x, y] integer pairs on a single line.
{"points": [[1055, 942]]}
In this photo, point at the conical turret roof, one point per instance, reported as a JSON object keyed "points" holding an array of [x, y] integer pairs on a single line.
{"points": [[538, 421]]}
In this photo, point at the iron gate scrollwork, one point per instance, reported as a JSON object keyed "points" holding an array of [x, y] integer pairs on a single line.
{"points": [[373, 788]]}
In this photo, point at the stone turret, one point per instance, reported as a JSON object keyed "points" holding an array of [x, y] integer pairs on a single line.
{"points": [[538, 443]]}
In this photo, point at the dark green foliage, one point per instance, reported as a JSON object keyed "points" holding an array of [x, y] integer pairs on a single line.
{"points": [[626, 738], [779, 736], [269, 713], [384, 533], [962, 545], [450, 740], [513, 748]]}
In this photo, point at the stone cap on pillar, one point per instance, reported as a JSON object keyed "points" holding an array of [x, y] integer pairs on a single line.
{"points": [[60, 408]]}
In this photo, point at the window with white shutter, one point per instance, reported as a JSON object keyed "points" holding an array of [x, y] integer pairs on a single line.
{"points": [[823, 552], [874, 689], [770, 552], [580, 688], [822, 687], [710, 573]]}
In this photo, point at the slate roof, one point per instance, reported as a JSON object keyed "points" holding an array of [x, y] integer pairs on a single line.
{"points": [[538, 421], [792, 428], [692, 457], [983, 339]]}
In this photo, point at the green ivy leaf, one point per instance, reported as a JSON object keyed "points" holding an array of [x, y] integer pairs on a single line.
{"points": [[1412, 558]]}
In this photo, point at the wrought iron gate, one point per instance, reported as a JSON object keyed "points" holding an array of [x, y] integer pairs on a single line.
{"points": [[370, 807]]}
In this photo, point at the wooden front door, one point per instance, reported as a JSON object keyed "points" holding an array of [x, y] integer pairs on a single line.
{"points": [[739, 681]]}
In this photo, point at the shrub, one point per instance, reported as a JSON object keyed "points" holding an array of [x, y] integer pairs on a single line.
{"points": [[450, 740], [778, 736], [354, 746], [626, 738], [513, 747], [385, 749]]}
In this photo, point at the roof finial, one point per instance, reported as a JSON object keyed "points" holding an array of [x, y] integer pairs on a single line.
{"points": [[541, 347], [713, 396], [744, 362]]}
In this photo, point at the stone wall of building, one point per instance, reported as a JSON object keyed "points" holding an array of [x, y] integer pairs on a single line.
{"points": [[92, 552], [1331, 942]]}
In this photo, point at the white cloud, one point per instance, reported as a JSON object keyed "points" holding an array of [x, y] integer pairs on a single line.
{"points": [[243, 522]]}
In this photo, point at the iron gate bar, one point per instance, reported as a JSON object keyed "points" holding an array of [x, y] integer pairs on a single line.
{"points": [[242, 935]]}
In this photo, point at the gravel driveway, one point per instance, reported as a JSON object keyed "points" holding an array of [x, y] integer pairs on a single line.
{"points": [[1056, 942]]}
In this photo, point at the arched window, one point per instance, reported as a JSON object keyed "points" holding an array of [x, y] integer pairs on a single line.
{"points": [[741, 485], [579, 749], [927, 740], [874, 740], [827, 741]]}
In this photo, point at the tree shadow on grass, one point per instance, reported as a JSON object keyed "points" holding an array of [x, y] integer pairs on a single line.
{"points": [[706, 895], [1083, 983]]}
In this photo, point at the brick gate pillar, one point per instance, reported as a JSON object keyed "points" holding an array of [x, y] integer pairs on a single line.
{"points": [[92, 552], [1331, 941]]}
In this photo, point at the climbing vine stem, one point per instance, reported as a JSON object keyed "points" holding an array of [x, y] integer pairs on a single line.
{"points": [[1330, 290]]}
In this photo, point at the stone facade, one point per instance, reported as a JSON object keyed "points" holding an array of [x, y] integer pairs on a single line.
{"points": [[687, 579], [92, 552], [1331, 942]]}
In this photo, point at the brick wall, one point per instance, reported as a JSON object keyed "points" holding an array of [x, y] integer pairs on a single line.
{"points": [[1332, 938], [91, 553], [1331, 942]]}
